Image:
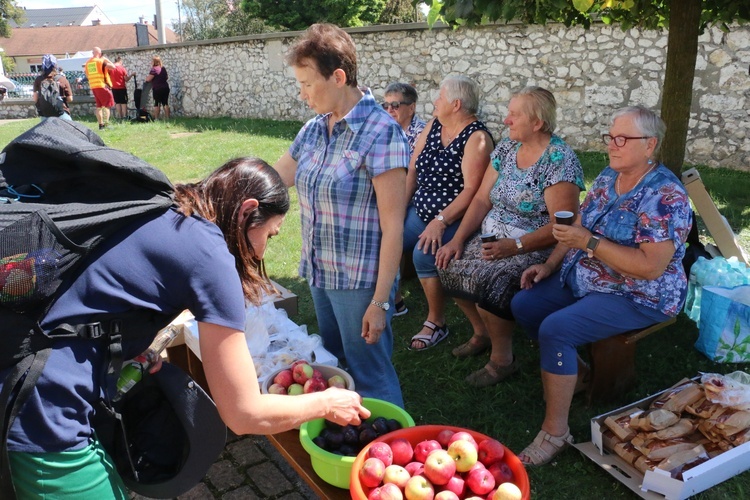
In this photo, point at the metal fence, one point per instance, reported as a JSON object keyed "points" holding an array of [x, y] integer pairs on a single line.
{"points": [[25, 84]]}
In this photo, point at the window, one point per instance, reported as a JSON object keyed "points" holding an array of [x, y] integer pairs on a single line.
{"points": [[36, 68]]}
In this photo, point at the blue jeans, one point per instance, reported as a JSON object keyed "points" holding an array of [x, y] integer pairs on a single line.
{"points": [[561, 322], [424, 263], [340, 314]]}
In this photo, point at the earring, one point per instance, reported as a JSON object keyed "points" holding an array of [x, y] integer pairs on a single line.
{"points": [[650, 161]]}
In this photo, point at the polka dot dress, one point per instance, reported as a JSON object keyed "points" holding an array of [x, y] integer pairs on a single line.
{"points": [[439, 176]]}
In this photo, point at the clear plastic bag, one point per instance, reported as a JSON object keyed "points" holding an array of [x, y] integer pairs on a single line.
{"points": [[731, 390]]}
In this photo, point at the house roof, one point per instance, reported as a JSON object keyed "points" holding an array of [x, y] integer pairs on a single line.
{"points": [[65, 16], [72, 39]]}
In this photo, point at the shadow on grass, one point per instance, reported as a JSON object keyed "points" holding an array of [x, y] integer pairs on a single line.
{"points": [[256, 127]]}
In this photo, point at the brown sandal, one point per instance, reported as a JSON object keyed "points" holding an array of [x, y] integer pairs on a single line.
{"points": [[470, 348], [483, 377], [537, 455]]}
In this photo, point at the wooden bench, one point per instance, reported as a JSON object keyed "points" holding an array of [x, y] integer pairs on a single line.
{"points": [[612, 362]]}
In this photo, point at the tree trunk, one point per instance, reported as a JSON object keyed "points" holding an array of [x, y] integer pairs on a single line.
{"points": [[677, 96]]}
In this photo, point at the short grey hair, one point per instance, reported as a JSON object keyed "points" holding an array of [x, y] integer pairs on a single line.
{"points": [[648, 123], [465, 90], [406, 90], [542, 105]]}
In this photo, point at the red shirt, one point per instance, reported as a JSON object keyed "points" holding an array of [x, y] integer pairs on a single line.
{"points": [[118, 75]]}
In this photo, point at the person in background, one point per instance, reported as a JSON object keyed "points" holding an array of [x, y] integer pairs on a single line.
{"points": [[400, 101], [617, 268], [533, 173], [446, 170], [159, 77], [119, 75], [349, 167], [97, 72], [204, 255], [51, 72]]}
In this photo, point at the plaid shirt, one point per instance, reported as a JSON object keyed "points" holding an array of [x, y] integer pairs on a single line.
{"points": [[340, 220]]}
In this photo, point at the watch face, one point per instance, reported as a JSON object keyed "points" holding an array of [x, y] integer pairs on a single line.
{"points": [[440, 218]]}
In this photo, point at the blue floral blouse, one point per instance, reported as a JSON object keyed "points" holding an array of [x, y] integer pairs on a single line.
{"points": [[657, 209], [518, 194]]}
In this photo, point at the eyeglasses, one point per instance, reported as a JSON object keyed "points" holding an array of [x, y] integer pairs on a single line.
{"points": [[620, 140], [395, 104]]}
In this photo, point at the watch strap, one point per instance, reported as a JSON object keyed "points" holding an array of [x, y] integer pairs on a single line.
{"points": [[519, 245], [382, 305]]}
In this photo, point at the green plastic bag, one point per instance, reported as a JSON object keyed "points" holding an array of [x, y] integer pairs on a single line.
{"points": [[725, 324]]}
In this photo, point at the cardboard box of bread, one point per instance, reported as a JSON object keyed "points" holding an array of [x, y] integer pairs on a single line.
{"points": [[676, 443]]}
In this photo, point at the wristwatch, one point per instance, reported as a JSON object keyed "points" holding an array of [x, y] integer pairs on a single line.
{"points": [[591, 245], [441, 219], [519, 245], [383, 305]]}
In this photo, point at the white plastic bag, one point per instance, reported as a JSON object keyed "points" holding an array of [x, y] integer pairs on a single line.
{"points": [[731, 390]]}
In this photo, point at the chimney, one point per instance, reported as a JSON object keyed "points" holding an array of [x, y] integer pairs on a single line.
{"points": [[142, 19], [96, 22]]}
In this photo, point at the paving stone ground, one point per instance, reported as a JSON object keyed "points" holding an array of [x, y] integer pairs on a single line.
{"points": [[249, 468]]}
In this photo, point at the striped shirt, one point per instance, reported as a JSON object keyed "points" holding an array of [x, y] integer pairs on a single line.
{"points": [[339, 213]]}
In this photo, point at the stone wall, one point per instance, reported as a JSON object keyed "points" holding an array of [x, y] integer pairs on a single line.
{"points": [[25, 108], [592, 72]]}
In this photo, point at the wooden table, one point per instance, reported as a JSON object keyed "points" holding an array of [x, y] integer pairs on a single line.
{"points": [[291, 449]]}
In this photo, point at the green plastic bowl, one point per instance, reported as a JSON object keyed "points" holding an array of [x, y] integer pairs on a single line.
{"points": [[336, 469]]}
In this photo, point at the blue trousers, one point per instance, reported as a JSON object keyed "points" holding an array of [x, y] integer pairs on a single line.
{"points": [[424, 263], [340, 314], [561, 322]]}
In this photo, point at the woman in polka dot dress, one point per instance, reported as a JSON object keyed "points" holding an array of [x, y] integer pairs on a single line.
{"points": [[532, 174], [446, 170]]}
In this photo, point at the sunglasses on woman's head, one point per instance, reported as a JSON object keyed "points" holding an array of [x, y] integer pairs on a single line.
{"points": [[395, 104]]}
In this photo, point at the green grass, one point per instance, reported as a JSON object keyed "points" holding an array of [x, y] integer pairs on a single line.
{"points": [[432, 381]]}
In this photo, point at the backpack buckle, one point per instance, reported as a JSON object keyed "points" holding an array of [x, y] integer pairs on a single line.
{"points": [[92, 330]]}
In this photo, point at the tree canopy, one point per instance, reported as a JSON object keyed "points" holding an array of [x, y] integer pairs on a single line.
{"points": [[691, 16], [299, 14], [9, 11]]}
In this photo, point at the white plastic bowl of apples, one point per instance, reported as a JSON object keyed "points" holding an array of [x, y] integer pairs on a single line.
{"points": [[303, 377], [438, 462]]}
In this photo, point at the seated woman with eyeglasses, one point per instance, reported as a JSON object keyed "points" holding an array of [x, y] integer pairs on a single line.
{"points": [[617, 268], [401, 103], [445, 171]]}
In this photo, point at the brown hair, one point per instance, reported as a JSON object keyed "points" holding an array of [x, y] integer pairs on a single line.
{"points": [[329, 47], [219, 197]]}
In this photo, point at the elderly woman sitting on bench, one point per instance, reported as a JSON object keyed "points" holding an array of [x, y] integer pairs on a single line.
{"points": [[617, 268]]}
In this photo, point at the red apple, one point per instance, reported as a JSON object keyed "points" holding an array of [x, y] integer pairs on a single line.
{"points": [[295, 389], [314, 385], [490, 451], [464, 453], [478, 465], [439, 467], [382, 451], [444, 437], [395, 474], [446, 495], [374, 494], [390, 491], [302, 372], [299, 362], [480, 481], [402, 451], [419, 488], [462, 435], [318, 374], [507, 491], [457, 485], [424, 448], [501, 472], [337, 381], [284, 378], [276, 389], [414, 468], [371, 473]]}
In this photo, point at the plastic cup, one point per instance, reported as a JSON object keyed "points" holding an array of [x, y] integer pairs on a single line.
{"points": [[564, 217], [488, 237]]}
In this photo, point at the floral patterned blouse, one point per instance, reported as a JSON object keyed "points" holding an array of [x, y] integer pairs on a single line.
{"points": [[657, 209], [518, 194]]}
